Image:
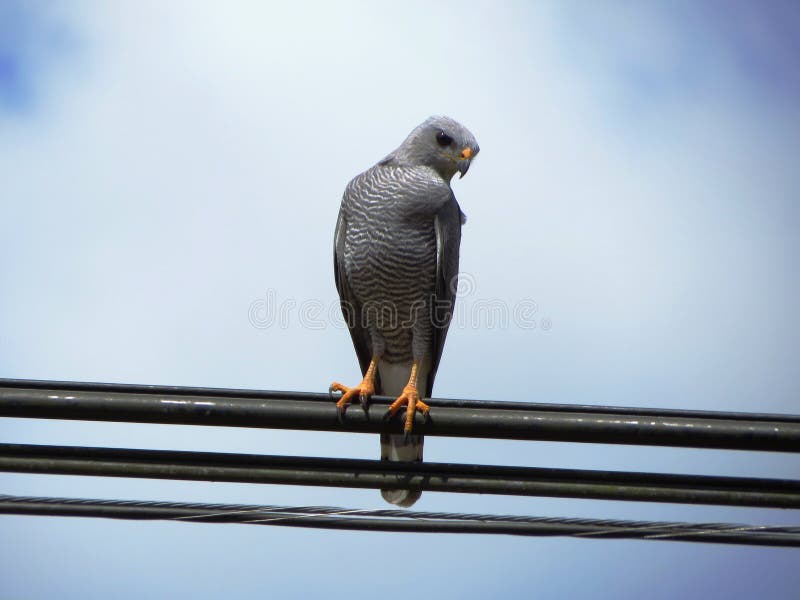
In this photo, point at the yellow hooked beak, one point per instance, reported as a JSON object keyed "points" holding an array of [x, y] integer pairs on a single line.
{"points": [[463, 164]]}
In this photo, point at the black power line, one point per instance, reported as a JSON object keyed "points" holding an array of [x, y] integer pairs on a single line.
{"points": [[136, 388], [292, 410], [405, 521], [476, 418], [353, 473]]}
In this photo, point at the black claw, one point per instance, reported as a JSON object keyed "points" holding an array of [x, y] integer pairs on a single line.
{"points": [[364, 400], [340, 414], [387, 415], [406, 434], [426, 416]]}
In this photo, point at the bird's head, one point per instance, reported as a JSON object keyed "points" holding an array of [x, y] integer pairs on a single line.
{"points": [[441, 143]]}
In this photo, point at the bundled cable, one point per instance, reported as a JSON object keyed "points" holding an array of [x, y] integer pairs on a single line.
{"points": [[402, 521]]}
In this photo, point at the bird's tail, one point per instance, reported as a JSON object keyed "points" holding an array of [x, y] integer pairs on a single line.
{"points": [[399, 447]]}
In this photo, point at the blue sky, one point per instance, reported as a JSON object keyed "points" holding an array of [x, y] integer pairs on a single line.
{"points": [[166, 167]]}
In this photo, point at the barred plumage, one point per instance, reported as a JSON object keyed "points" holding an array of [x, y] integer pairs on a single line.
{"points": [[390, 255]]}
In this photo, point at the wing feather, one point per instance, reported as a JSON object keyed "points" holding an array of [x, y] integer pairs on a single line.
{"points": [[447, 224], [351, 308]]}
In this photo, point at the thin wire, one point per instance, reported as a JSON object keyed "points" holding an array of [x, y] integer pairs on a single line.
{"points": [[398, 520]]}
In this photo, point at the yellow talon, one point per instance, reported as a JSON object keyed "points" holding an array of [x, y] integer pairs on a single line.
{"points": [[409, 398], [363, 391]]}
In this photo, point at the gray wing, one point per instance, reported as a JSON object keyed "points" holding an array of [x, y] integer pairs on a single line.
{"points": [[351, 308], [448, 239]]}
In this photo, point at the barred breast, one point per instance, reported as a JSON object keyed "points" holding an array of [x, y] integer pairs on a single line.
{"points": [[390, 254]]}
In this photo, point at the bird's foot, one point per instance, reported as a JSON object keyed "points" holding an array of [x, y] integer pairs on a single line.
{"points": [[411, 400], [363, 391]]}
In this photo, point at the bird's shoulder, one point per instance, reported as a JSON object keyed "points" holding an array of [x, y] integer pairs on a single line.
{"points": [[388, 179]]}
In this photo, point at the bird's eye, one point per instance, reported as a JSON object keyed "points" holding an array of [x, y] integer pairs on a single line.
{"points": [[443, 139]]}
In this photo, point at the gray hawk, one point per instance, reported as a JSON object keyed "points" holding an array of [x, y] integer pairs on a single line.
{"points": [[396, 249]]}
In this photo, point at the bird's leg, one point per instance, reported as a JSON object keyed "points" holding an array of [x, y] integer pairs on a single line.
{"points": [[410, 398], [363, 391]]}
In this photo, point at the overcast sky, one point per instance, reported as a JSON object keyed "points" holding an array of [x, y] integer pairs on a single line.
{"points": [[170, 175]]}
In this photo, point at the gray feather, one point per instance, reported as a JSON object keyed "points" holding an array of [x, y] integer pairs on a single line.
{"points": [[351, 309], [448, 239]]}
